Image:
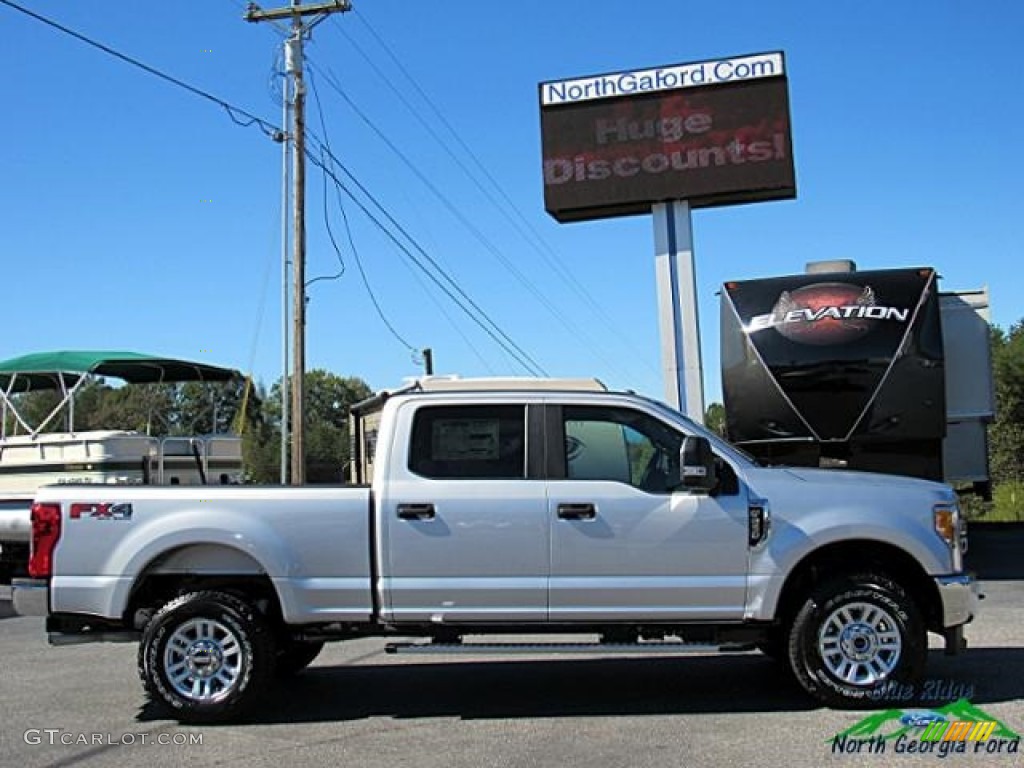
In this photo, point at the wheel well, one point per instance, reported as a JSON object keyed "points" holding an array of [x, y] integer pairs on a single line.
{"points": [[180, 571], [860, 556]]}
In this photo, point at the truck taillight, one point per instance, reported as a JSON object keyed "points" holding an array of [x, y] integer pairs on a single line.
{"points": [[45, 534]]}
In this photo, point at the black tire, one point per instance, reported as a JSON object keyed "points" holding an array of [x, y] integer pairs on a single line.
{"points": [[205, 657], [857, 639], [293, 656]]}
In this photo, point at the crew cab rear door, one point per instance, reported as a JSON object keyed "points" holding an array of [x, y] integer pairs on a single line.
{"points": [[464, 531], [627, 544]]}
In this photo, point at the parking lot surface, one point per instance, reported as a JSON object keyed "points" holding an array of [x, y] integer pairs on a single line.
{"points": [[357, 706]]}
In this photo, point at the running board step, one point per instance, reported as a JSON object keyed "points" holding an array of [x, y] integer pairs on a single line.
{"points": [[567, 648]]}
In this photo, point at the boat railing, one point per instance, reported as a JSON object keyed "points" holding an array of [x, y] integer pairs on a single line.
{"points": [[209, 459]]}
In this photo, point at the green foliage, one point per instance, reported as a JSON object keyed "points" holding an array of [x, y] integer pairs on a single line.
{"points": [[327, 401], [1006, 435], [714, 418], [143, 408], [34, 407], [261, 439], [203, 409], [97, 406], [195, 408], [1007, 503], [328, 398]]}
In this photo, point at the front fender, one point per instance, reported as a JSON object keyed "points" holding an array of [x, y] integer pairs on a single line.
{"points": [[790, 543]]}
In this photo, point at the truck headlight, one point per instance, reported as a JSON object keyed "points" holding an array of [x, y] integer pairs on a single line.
{"points": [[947, 523]]}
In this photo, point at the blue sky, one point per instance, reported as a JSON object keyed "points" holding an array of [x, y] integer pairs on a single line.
{"points": [[137, 216]]}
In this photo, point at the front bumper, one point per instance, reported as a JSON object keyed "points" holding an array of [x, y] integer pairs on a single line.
{"points": [[30, 596], [959, 595]]}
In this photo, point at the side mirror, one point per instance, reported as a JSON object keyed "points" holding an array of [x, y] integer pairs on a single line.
{"points": [[697, 464]]}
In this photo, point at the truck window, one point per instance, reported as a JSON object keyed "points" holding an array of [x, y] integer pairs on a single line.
{"points": [[469, 442], [623, 445]]}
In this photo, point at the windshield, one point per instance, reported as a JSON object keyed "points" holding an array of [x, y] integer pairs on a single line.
{"points": [[719, 444]]}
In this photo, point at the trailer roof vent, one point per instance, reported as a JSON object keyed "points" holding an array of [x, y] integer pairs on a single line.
{"points": [[833, 265]]}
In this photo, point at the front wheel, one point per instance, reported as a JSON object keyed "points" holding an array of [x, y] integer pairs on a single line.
{"points": [[855, 638], [205, 657]]}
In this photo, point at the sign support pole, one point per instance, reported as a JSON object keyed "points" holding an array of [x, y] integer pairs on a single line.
{"points": [[677, 308]]}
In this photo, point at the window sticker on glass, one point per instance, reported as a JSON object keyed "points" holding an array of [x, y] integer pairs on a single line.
{"points": [[461, 439]]}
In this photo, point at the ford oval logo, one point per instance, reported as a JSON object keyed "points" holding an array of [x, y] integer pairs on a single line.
{"points": [[920, 719]]}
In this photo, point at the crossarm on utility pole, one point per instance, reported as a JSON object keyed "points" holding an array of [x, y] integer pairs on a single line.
{"points": [[255, 13]]}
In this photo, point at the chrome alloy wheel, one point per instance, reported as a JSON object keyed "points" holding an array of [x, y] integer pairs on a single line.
{"points": [[203, 660], [860, 644]]}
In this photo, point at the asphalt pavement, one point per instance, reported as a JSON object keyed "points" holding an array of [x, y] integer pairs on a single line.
{"points": [[357, 706]]}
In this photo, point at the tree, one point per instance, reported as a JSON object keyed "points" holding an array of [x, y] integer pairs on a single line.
{"points": [[36, 406], [143, 408], [1006, 435], [328, 398], [204, 408], [714, 418], [261, 438], [33, 407]]}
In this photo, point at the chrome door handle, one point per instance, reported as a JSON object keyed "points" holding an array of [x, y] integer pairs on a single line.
{"points": [[577, 511], [416, 512]]}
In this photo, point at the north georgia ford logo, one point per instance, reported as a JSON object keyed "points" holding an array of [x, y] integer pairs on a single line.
{"points": [[827, 313]]}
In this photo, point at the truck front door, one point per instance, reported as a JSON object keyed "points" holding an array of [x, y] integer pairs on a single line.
{"points": [[627, 543]]}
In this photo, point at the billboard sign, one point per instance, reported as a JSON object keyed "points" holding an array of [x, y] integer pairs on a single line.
{"points": [[711, 133]]}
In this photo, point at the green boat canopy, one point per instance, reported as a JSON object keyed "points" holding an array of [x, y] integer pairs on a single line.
{"points": [[57, 370]]}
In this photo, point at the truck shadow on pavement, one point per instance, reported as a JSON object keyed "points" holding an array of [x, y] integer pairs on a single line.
{"points": [[529, 689], [596, 687]]}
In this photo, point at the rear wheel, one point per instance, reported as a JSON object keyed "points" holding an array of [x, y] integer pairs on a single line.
{"points": [[855, 638], [206, 656]]}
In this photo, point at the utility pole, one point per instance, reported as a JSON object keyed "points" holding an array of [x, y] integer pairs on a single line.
{"points": [[293, 66], [286, 171]]}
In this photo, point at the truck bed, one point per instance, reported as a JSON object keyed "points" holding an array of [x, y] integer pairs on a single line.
{"points": [[312, 543]]}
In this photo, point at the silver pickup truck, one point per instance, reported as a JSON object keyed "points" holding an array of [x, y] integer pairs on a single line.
{"points": [[497, 509]]}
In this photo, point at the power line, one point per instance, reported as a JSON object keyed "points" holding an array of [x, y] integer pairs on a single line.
{"points": [[454, 292], [473, 310], [327, 218], [366, 283], [469, 343], [460, 216], [250, 119], [355, 252], [520, 222], [426, 290], [348, 231], [469, 307]]}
